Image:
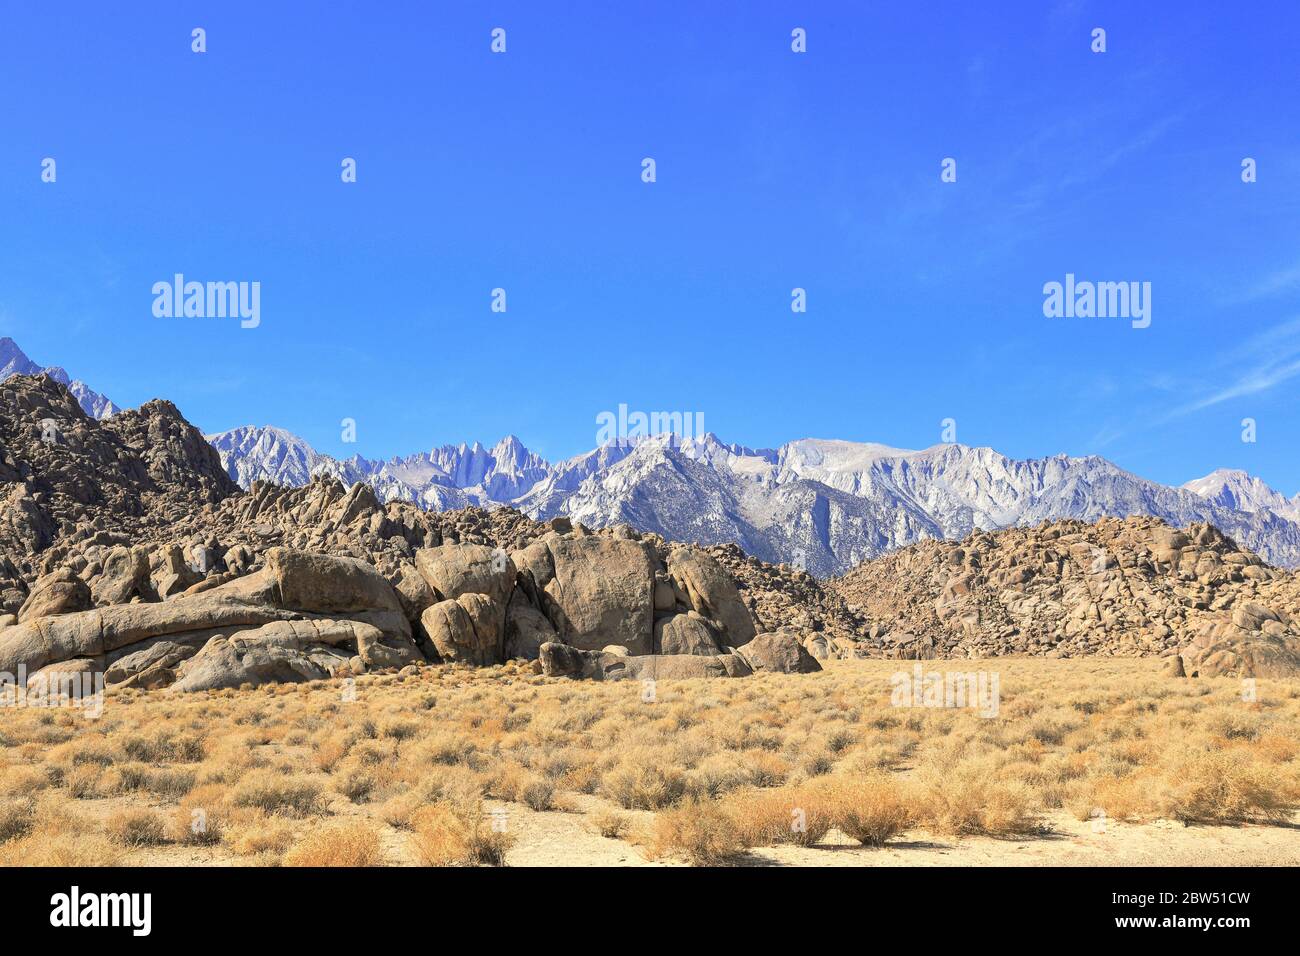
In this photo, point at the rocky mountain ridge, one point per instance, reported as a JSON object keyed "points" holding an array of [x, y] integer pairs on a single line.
{"points": [[13, 361], [823, 505]]}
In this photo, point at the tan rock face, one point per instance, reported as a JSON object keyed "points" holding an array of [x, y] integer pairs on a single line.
{"points": [[779, 652], [328, 584], [284, 651], [603, 592], [301, 590], [463, 630], [125, 576], [562, 660], [527, 629], [712, 594], [687, 633], [59, 592]]}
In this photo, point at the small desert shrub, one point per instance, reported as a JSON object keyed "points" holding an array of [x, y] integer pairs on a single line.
{"points": [[201, 816], [126, 778], [136, 827], [1124, 797], [582, 778], [766, 769], [816, 763], [537, 793], [296, 796], [644, 786], [610, 824], [870, 809], [93, 750], [355, 783], [163, 746], [700, 830], [799, 815], [971, 799], [839, 739], [330, 752], [83, 782], [354, 843], [717, 774], [445, 747], [454, 784], [518, 784], [398, 810], [22, 781], [171, 782], [399, 729], [76, 850], [259, 834], [1234, 723], [1228, 786], [17, 816], [447, 834]]}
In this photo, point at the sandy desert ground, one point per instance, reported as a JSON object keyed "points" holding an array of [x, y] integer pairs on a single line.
{"points": [[1098, 761]]}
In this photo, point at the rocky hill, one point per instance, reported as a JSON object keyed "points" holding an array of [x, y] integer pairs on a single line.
{"points": [[13, 361], [1131, 587], [70, 480]]}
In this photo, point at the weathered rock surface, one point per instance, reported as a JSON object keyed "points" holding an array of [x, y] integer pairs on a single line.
{"points": [[527, 629], [712, 594], [687, 633], [283, 651], [1121, 587], [602, 592], [59, 592], [778, 652], [562, 660], [296, 590]]}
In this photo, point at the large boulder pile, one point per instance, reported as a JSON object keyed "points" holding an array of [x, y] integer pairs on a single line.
{"points": [[155, 619], [300, 616], [1123, 587], [136, 509], [581, 595], [776, 652]]}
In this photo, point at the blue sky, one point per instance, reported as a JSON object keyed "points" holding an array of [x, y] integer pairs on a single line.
{"points": [[775, 170]]}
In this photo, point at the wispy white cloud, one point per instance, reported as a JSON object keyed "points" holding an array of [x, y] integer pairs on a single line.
{"points": [[1285, 279], [1262, 362]]}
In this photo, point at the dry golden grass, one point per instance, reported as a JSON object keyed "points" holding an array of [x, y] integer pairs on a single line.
{"points": [[702, 830], [451, 834], [355, 843], [299, 775], [137, 827]]}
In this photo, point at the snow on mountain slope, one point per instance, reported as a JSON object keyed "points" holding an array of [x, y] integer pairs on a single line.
{"points": [[13, 361], [823, 504], [252, 454], [1233, 488]]}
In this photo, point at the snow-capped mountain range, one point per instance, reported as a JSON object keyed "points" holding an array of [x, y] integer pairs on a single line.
{"points": [[13, 361], [827, 505]]}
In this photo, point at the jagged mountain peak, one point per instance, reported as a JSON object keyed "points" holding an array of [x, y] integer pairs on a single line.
{"points": [[1235, 488], [824, 504], [14, 361]]}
